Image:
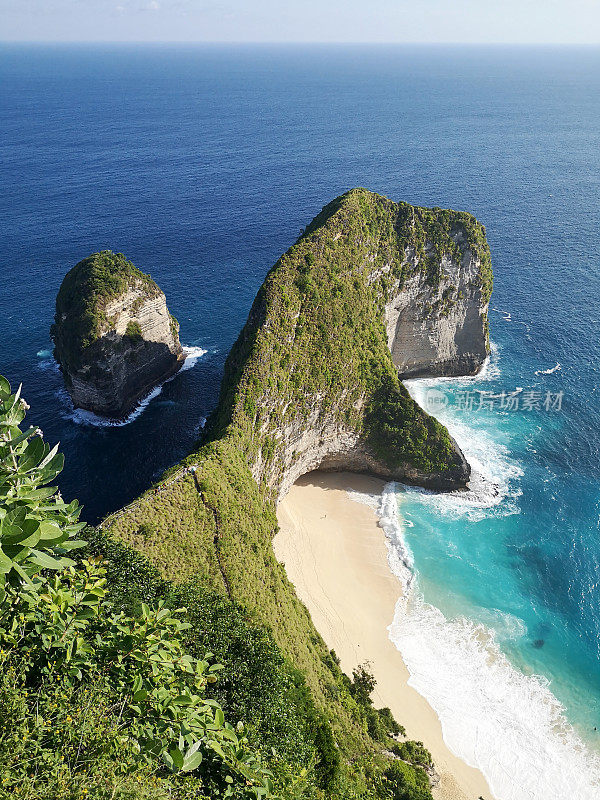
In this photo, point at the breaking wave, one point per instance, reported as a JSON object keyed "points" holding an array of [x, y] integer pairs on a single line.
{"points": [[497, 719], [494, 475], [550, 371], [81, 417]]}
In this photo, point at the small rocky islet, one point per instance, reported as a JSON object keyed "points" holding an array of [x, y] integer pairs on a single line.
{"points": [[114, 338]]}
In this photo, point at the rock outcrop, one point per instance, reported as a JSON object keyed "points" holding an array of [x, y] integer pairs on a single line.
{"points": [[440, 330], [114, 338], [372, 292]]}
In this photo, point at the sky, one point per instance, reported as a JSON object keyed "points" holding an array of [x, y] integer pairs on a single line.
{"points": [[474, 21]]}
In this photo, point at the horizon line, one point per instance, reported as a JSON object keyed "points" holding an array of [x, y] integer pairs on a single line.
{"points": [[284, 42]]}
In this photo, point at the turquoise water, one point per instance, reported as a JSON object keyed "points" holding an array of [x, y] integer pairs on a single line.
{"points": [[510, 664], [525, 560], [202, 164]]}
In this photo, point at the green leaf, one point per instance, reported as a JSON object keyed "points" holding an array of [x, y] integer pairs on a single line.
{"points": [[28, 535], [176, 757], [182, 700], [4, 387], [37, 494], [51, 533], [217, 748], [168, 761], [53, 468], [6, 563], [85, 613], [34, 452], [191, 762], [15, 517], [48, 562], [22, 437], [50, 456], [73, 544]]}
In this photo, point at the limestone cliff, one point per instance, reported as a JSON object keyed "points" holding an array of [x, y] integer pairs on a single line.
{"points": [[114, 337], [372, 291], [313, 382], [439, 327]]}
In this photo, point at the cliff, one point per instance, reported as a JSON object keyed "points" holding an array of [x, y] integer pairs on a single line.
{"points": [[436, 316], [370, 288], [114, 338]]}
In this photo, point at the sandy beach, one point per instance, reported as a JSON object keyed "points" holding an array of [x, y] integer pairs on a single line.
{"points": [[336, 557]]}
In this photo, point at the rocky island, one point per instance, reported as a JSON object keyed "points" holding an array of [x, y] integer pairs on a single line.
{"points": [[114, 337]]}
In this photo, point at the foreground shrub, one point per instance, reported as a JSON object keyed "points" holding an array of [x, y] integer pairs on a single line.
{"points": [[82, 682]]}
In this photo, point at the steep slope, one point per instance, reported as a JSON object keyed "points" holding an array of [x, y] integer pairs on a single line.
{"points": [[114, 337], [313, 382]]}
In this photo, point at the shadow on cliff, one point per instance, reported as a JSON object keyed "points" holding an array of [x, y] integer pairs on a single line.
{"points": [[119, 372]]}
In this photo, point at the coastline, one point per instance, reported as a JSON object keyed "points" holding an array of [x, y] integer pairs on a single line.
{"points": [[335, 554]]}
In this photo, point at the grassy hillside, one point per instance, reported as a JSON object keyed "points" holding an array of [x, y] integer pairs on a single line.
{"points": [[313, 352]]}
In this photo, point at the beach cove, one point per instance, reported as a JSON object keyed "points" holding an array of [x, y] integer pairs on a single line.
{"points": [[335, 554]]}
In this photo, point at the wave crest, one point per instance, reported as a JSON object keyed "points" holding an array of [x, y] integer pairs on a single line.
{"points": [[497, 719]]}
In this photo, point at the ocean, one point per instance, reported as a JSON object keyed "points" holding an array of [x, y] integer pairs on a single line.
{"points": [[202, 165]]}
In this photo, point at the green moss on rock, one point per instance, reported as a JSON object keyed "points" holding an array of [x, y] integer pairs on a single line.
{"points": [[82, 299]]}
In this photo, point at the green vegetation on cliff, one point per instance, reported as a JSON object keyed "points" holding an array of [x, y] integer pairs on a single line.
{"points": [[126, 696], [315, 337], [313, 354], [82, 299]]}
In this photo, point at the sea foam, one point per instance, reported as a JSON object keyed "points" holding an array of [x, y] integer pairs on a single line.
{"points": [[81, 417], [549, 371], [493, 716], [494, 474], [497, 719]]}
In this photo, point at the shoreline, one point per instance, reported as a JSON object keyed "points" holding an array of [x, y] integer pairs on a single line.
{"points": [[335, 554]]}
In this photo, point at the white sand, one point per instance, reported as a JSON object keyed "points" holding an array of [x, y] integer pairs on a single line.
{"points": [[336, 557]]}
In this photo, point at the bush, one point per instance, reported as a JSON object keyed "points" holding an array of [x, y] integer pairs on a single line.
{"points": [[81, 681], [133, 330], [403, 782], [363, 683], [414, 753]]}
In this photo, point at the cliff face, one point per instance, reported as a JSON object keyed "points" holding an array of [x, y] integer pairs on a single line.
{"points": [[114, 337], [373, 290], [440, 330], [313, 382]]}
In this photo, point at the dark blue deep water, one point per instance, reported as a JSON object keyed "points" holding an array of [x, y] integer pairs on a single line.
{"points": [[202, 164]]}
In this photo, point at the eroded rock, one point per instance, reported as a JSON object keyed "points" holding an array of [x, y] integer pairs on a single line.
{"points": [[114, 337]]}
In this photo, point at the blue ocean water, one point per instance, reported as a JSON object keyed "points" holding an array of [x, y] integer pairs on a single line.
{"points": [[202, 164]]}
